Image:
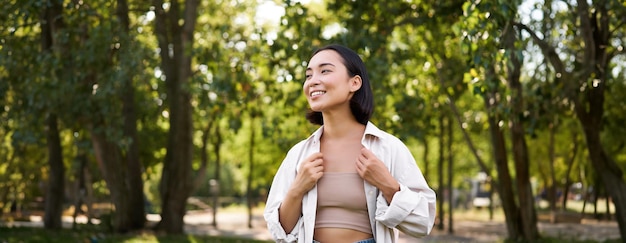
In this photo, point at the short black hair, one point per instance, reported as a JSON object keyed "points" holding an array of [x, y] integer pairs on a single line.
{"points": [[362, 102]]}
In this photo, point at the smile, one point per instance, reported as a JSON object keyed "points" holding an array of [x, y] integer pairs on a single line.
{"points": [[317, 93]]}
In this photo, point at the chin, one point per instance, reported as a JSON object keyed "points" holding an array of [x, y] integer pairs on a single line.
{"points": [[314, 107]]}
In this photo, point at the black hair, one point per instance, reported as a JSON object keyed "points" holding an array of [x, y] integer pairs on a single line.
{"points": [[362, 102]]}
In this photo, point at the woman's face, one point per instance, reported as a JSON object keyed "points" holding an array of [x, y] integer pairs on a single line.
{"points": [[328, 84]]}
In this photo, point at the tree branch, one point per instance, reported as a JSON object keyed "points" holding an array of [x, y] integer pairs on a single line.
{"points": [[586, 31], [548, 51], [457, 115]]}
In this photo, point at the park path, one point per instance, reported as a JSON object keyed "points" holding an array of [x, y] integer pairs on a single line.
{"points": [[235, 223]]}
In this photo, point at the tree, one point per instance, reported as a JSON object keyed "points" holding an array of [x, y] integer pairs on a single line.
{"points": [[134, 185], [53, 24], [586, 79], [115, 144], [489, 27], [518, 133], [174, 28]]}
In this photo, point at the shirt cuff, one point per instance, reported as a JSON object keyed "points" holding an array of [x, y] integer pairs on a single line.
{"points": [[402, 204]]}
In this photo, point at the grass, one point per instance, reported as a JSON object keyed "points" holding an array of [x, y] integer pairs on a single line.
{"points": [[94, 235]]}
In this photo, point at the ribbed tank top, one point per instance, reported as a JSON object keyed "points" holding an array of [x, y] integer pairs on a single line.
{"points": [[341, 202]]}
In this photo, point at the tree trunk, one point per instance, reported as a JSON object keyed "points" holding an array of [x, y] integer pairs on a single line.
{"points": [[451, 201], [204, 156], [56, 176], [570, 165], [176, 182], [589, 106], [133, 191], [552, 195], [520, 149], [116, 174], [80, 185], [552, 189], [524, 190], [249, 189], [596, 195], [441, 185], [175, 42], [216, 147], [505, 184], [51, 23], [122, 171], [609, 173], [133, 214]]}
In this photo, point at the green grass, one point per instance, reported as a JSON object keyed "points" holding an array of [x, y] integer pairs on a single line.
{"points": [[89, 235]]}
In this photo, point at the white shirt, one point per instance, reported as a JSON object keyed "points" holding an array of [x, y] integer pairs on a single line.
{"points": [[412, 209]]}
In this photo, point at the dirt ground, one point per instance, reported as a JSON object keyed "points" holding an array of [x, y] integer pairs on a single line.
{"points": [[481, 231], [235, 223]]}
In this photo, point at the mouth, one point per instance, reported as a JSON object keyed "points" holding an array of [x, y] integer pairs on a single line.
{"points": [[317, 93]]}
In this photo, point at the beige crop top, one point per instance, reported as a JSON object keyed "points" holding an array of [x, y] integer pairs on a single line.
{"points": [[341, 202]]}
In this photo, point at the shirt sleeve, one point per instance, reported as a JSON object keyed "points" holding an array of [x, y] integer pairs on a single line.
{"points": [[412, 209], [282, 180]]}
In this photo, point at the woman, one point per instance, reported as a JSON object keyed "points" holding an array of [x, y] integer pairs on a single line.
{"points": [[349, 181]]}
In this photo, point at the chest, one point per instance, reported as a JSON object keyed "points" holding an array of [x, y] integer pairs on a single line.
{"points": [[340, 156]]}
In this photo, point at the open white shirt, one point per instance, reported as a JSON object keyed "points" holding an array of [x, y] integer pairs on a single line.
{"points": [[412, 209]]}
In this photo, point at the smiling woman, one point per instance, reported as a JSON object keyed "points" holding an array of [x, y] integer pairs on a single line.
{"points": [[326, 69], [349, 181]]}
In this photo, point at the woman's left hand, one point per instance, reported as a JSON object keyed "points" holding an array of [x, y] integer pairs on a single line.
{"points": [[374, 171]]}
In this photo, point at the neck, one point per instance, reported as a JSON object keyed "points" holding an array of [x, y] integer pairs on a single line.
{"points": [[342, 126]]}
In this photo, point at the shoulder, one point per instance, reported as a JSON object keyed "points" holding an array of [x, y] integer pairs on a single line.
{"points": [[297, 147], [305, 144], [383, 137]]}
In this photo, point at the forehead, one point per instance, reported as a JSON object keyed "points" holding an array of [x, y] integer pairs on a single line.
{"points": [[325, 57]]}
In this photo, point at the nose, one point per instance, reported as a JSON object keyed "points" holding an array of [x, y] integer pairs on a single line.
{"points": [[314, 80]]}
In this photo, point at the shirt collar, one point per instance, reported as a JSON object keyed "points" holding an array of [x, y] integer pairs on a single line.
{"points": [[370, 129]]}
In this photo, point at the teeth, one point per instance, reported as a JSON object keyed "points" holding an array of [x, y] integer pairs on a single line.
{"points": [[316, 93]]}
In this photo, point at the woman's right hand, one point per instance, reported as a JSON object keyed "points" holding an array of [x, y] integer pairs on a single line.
{"points": [[311, 170]]}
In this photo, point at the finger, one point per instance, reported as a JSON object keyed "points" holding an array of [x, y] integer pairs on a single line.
{"points": [[360, 164], [319, 174], [362, 159], [366, 153], [312, 158], [359, 167], [315, 156], [317, 160], [317, 165]]}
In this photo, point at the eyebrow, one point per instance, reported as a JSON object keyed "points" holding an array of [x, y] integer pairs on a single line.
{"points": [[321, 65]]}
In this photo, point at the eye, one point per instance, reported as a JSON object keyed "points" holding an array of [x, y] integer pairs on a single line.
{"points": [[325, 71], [307, 76]]}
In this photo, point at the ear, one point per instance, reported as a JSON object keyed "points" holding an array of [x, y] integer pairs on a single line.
{"points": [[355, 83]]}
